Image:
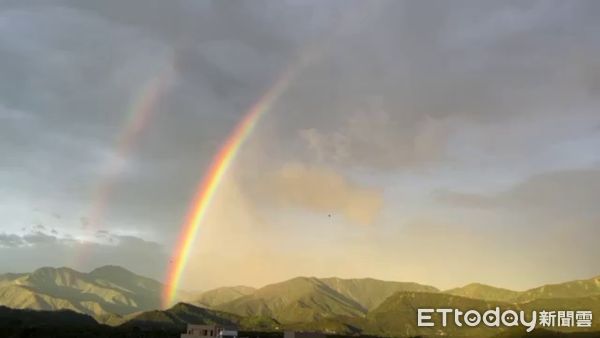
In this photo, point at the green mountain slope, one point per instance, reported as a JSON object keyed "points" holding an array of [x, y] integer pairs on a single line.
{"points": [[305, 299], [179, 316], [338, 325], [118, 297], [485, 292], [571, 289], [223, 295], [591, 303], [300, 299], [102, 293], [370, 292], [397, 315]]}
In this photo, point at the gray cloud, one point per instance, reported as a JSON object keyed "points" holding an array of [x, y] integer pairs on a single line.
{"points": [[399, 93], [77, 68], [35, 248], [372, 139], [568, 196], [10, 240], [401, 96], [39, 238]]}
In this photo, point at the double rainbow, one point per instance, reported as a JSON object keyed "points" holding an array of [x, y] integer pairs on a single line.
{"points": [[209, 184]]}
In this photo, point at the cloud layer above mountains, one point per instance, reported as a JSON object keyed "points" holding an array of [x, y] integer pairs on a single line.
{"points": [[420, 127]]}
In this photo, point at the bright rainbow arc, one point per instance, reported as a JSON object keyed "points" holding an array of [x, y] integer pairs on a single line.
{"points": [[209, 184]]}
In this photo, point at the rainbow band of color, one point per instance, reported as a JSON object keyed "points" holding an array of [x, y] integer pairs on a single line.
{"points": [[138, 117], [137, 120], [210, 183]]}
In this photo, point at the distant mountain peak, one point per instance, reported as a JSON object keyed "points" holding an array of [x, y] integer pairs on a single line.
{"points": [[183, 306], [111, 269], [50, 269], [310, 298], [100, 293], [114, 295]]}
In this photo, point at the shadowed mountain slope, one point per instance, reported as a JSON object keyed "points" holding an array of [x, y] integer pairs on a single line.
{"points": [[179, 316], [397, 315], [64, 318]]}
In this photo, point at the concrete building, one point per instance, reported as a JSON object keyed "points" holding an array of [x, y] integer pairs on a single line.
{"points": [[297, 334], [209, 331]]}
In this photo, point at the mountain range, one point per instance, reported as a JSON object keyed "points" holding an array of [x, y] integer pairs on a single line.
{"points": [[105, 293], [311, 299], [115, 296]]}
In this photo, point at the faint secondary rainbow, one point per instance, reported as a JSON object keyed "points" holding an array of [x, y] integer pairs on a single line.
{"points": [[210, 182], [137, 119]]}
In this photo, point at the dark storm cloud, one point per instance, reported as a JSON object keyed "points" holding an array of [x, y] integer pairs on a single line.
{"points": [[70, 73], [389, 91], [397, 92], [395, 86], [72, 70]]}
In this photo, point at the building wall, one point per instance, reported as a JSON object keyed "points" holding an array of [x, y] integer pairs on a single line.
{"points": [[207, 331]]}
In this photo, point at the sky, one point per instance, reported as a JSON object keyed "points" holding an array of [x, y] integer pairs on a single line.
{"points": [[437, 142]]}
